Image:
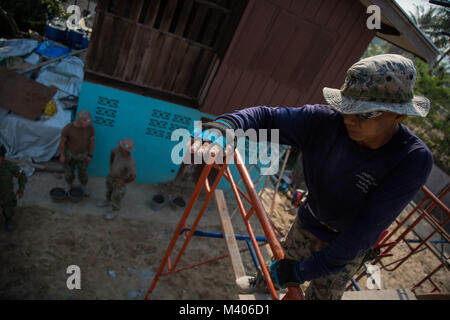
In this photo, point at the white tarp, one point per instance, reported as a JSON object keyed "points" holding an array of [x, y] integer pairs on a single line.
{"points": [[16, 47], [35, 141], [38, 140], [66, 75]]}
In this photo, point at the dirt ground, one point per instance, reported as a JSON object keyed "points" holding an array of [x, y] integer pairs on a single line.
{"points": [[118, 259]]}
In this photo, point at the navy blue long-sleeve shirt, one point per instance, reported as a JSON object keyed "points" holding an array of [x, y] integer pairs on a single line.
{"points": [[355, 190]]}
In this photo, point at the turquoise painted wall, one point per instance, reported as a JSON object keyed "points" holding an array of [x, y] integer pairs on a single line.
{"points": [[149, 122]]}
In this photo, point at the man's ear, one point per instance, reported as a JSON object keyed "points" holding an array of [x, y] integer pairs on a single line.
{"points": [[400, 117]]}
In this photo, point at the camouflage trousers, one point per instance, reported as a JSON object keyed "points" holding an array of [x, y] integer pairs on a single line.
{"points": [[299, 244], [115, 192], [78, 160], [7, 206]]}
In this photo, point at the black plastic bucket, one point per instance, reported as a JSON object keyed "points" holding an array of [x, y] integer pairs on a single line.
{"points": [[158, 202], [75, 194], [58, 194], [177, 203]]}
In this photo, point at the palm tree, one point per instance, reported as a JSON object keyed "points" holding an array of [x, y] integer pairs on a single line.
{"points": [[435, 23]]}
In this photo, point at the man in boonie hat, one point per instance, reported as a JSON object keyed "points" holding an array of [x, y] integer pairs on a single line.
{"points": [[122, 171], [361, 165], [76, 149]]}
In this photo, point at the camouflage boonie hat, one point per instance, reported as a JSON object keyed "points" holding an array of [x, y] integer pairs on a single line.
{"points": [[379, 83], [127, 144]]}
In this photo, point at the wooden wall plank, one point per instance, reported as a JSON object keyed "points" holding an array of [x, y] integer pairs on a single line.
{"points": [[105, 38], [325, 12], [310, 10], [211, 101], [154, 60], [292, 97], [143, 66], [125, 49], [168, 15], [184, 77], [297, 7], [137, 57], [285, 4], [213, 27], [184, 16], [239, 94], [268, 91], [175, 64], [316, 55], [253, 96], [254, 34], [94, 48], [212, 104], [161, 62], [230, 25], [211, 73], [227, 88], [117, 31], [280, 94], [198, 22], [348, 12], [136, 10], [293, 56], [277, 40], [201, 68], [152, 12]]}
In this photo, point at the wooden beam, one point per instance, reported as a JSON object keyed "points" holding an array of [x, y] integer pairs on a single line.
{"points": [[228, 235]]}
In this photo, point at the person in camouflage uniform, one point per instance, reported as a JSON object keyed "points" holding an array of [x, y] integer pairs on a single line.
{"points": [[76, 149], [122, 171], [361, 166], [300, 244], [8, 199]]}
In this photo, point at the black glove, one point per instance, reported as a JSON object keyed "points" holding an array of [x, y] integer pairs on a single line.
{"points": [[285, 273]]}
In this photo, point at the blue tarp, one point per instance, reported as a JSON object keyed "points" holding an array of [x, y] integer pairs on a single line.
{"points": [[50, 49]]}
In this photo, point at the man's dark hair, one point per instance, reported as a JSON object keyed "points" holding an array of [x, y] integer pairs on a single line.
{"points": [[2, 151]]}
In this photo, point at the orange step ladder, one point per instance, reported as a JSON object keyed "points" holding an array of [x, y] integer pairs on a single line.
{"points": [[294, 293]]}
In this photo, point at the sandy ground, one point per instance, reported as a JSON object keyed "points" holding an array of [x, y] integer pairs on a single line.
{"points": [[118, 259]]}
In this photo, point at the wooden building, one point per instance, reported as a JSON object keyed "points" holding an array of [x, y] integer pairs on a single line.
{"points": [[209, 57]]}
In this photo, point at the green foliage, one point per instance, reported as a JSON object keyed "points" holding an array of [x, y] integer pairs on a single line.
{"points": [[433, 83], [434, 130], [33, 14]]}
